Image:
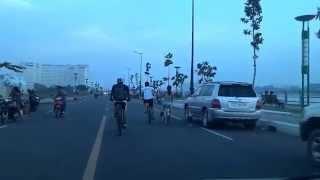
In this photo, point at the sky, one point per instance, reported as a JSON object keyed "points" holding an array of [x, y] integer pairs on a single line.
{"points": [[104, 34]]}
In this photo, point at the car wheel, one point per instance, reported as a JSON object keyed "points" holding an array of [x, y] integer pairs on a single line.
{"points": [[205, 119], [250, 125], [314, 148]]}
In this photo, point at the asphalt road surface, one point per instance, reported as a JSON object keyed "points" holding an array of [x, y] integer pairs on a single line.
{"points": [[84, 146]]}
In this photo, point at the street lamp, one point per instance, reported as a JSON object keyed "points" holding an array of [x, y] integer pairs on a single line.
{"points": [[75, 81], [305, 68], [140, 81], [192, 51]]}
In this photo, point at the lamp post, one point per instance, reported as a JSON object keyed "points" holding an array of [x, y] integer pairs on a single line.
{"points": [[192, 51], [305, 68], [75, 81], [140, 81]]}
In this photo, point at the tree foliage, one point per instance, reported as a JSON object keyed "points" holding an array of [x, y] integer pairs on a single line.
{"points": [[206, 72], [179, 79], [168, 59], [12, 67]]}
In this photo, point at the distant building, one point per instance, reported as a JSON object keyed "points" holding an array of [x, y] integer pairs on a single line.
{"points": [[52, 75]]}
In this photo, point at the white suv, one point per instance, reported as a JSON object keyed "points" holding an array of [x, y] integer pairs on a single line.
{"points": [[219, 102], [310, 132]]}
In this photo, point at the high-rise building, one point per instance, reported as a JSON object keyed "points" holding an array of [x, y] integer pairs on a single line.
{"points": [[52, 75]]}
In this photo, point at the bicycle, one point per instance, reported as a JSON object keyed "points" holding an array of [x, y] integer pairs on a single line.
{"points": [[149, 113], [166, 114], [119, 115]]}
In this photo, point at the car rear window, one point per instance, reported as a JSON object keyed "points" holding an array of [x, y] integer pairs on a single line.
{"points": [[206, 90], [236, 90]]}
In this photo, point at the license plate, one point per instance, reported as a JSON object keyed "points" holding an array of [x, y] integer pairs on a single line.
{"points": [[238, 105]]}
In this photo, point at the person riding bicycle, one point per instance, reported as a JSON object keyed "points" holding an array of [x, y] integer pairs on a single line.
{"points": [[148, 95], [120, 93]]}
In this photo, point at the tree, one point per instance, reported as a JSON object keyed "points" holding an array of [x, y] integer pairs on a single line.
{"points": [[168, 61], [206, 72], [253, 17], [15, 68], [179, 80]]}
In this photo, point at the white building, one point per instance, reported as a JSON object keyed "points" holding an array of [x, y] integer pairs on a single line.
{"points": [[52, 75]]}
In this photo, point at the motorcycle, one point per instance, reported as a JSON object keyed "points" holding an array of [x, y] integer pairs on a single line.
{"points": [[58, 107], [3, 110], [34, 101]]}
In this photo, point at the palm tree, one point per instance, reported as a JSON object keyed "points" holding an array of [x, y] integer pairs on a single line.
{"points": [[168, 61], [15, 68], [206, 72], [253, 17]]}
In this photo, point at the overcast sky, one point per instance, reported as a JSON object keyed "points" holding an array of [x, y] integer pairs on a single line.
{"points": [[104, 34]]}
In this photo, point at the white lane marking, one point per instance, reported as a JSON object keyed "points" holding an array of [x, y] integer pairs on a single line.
{"points": [[217, 134], [4, 126], [276, 112], [90, 170], [281, 123]]}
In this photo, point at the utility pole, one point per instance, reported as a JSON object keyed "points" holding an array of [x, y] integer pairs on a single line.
{"points": [[192, 52]]}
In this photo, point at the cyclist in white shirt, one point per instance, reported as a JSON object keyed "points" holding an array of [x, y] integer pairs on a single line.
{"points": [[148, 95]]}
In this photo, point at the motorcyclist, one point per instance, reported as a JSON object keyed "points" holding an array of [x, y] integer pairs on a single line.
{"points": [[61, 93], [120, 93], [15, 95]]}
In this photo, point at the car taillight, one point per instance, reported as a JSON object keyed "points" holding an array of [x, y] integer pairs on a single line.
{"points": [[258, 105], [216, 104]]}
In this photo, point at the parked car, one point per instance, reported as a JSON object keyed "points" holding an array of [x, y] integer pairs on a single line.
{"points": [[221, 102], [310, 132]]}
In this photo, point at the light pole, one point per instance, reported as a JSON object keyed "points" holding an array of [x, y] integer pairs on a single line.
{"points": [[192, 51], [128, 77], [75, 81], [140, 81], [305, 68]]}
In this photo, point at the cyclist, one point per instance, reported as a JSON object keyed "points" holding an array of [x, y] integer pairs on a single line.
{"points": [[120, 93], [148, 95]]}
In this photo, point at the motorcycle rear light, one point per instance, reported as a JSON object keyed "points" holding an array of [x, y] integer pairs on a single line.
{"points": [[216, 104]]}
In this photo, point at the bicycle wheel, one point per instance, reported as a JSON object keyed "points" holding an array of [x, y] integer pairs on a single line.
{"points": [[149, 115], [119, 119]]}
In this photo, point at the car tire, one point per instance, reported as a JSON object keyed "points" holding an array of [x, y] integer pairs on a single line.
{"points": [[250, 125], [205, 119], [314, 138]]}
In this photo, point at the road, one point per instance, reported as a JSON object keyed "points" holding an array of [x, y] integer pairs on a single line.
{"points": [[83, 146]]}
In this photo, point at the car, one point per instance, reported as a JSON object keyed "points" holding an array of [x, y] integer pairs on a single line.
{"points": [[310, 132], [221, 102]]}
